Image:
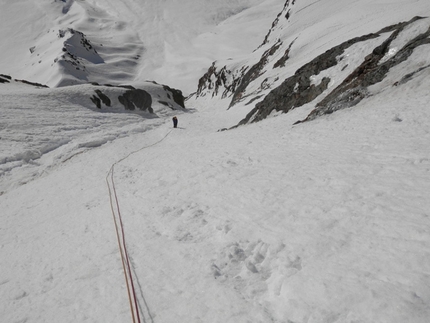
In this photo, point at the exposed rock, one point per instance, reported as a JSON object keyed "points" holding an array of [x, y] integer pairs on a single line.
{"points": [[176, 94], [101, 97], [215, 79], [254, 99], [77, 52], [96, 101], [32, 83], [409, 76], [281, 62], [354, 88], [286, 12], [298, 89], [253, 73], [136, 98], [104, 98], [234, 82], [167, 104], [5, 78]]}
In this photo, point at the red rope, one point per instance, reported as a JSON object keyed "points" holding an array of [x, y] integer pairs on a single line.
{"points": [[120, 250], [131, 292], [125, 248]]}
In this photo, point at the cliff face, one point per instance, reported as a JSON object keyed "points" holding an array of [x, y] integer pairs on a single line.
{"points": [[277, 78], [300, 89]]}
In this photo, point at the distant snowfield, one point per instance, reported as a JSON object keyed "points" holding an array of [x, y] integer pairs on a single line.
{"points": [[170, 42], [175, 42], [323, 222]]}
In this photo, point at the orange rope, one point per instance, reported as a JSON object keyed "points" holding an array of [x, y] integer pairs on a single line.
{"points": [[119, 247], [125, 248], [131, 292]]}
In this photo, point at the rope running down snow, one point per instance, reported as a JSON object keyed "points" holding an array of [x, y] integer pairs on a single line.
{"points": [[120, 234]]}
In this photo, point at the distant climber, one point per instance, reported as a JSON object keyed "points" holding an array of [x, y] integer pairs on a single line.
{"points": [[175, 122]]}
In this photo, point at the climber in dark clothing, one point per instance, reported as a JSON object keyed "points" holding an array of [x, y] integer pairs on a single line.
{"points": [[175, 122]]}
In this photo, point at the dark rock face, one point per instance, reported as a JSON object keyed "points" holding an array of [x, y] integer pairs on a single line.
{"points": [[136, 98], [96, 101], [176, 95], [5, 78], [234, 83], [253, 73], [281, 62], [76, 49], [354, 88], [409, 76], [286, 13], [298, 89], [32, 83], [215, 79], [103, 97]]}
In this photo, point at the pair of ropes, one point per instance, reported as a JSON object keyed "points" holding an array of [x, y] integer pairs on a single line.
{"points": [[120, 234]]}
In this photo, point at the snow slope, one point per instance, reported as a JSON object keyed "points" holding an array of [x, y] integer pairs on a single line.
{"points": [[301, 33], [326, 221], [322, 222], [136, 41]]}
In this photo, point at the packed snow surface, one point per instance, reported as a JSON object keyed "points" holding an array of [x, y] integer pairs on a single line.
{"points": [[322, 222]]}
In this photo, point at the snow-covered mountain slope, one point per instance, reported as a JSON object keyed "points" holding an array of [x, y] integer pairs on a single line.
{"points": [[324, 221], [63, 122], [171, 42], [328, 53]]}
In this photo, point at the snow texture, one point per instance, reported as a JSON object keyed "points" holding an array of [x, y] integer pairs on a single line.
{"points": [[323, 222]]}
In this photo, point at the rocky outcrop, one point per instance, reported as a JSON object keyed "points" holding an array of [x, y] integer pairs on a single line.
{"points": [[8, 79], [235, 82], [373, 70], [100, 98], [32, 83], [281, 62], [117, 98], [136, 99], [110, 97], [286, 13], [217, 80], [5, 78], [175, 95], [253, 73], [299, 89], [77, 47]]}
